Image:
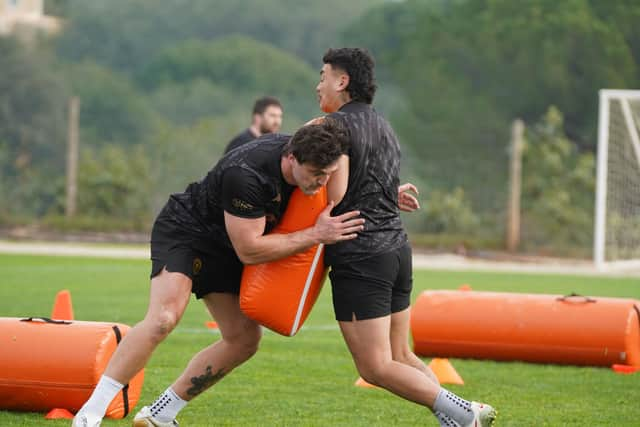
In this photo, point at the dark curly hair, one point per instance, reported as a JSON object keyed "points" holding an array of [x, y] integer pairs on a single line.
{"points": [[358, 64], [320, 144]]}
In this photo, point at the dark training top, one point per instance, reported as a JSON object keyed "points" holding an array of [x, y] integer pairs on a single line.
{"points": [[238, 140], [374, 176], [247, 183]]}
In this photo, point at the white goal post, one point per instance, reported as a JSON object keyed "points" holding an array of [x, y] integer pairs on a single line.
{"points": [[617, 208]]}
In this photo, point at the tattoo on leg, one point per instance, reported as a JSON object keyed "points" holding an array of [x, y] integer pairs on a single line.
{"points": [[204, 381]]}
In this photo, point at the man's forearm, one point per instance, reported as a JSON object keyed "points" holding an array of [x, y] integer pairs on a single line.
{"points": [[271, 247]]}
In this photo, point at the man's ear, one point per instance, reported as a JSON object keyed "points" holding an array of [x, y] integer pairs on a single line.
{"points": [[343, 81]]}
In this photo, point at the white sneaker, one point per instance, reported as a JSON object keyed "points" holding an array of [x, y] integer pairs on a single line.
{"points": [[144, 419], [83, 420], [483, 415]]}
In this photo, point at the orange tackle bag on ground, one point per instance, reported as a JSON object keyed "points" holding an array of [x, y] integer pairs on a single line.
{"points": [[280, 294], [46, 364], [571, 329]]}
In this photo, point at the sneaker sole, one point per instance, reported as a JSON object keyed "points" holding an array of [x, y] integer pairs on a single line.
{"points": [[491, 417]]}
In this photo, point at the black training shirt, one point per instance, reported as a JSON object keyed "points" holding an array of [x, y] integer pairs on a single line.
{"points": [[247, 182], [374, 176], [238, 140]]}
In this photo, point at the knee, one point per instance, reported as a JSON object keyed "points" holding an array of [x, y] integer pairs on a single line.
{"points": [[247, 342], [162, 324], [404, 356], [373, 373], [253, 341]]}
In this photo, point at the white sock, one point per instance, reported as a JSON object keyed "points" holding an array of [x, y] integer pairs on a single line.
{"points": [[445, 420], [166, 407], [101, 398], [453, 406]]}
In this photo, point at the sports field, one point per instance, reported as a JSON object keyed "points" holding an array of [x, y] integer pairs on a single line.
{"points": [[308, 380]]}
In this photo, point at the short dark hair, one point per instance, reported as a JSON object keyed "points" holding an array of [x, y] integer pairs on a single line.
{"points": [[319, 144], [261, 104], [358, 64]]}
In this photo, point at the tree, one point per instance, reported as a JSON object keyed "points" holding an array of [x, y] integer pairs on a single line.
{"points": [[558, 188], [114, 182], [237, 65], [468, 68], [126, 34], [32, 128], [515, 57], [112, 109]]}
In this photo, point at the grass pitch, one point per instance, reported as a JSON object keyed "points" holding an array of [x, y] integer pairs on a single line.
{"points": [[308, 380]]}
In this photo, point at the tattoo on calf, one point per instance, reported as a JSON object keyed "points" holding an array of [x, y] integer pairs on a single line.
{"points": [[204, 381]]}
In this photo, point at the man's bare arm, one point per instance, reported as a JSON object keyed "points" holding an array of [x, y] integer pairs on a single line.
{"points": [[253, 247], [337, 185]]}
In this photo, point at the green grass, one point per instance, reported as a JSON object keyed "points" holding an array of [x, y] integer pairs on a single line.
{"points": [[308, 380]]}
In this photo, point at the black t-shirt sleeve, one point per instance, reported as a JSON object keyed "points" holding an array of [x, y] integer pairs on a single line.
{"points": [[342, 120], [242, 193]]}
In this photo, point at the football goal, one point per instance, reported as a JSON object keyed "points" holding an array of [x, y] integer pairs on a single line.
{"points": [[617, 208]]}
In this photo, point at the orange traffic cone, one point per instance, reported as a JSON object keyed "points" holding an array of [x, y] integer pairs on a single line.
{"points": [[445, 371], [58, 413], [625, 369], [362, 383], [62, 307], [211, 324]]}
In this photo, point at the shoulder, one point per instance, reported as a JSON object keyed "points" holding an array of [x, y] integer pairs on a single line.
{"points": [[245, 134], [240, 176], [241, 138], [275, 138]]}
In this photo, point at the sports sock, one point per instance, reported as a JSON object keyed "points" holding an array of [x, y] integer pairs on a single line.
{"points": [[445, 420], [453, 406], [166, 407], [102, 396]]}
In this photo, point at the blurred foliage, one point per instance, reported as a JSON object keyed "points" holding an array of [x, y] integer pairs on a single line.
{"points": [[183, 154], [237, 65], [626, 230], [458, 243], [32, 129], [164, 86], [127, 34], [112, 109], [467, 69], [496, 60], [89, 223], [56, 7], [558, 188], [449, 212], [114, 182]]}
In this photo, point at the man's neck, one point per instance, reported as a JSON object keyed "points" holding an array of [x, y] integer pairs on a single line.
{"points": [[285, 168], [344, 99], [255, 130]]}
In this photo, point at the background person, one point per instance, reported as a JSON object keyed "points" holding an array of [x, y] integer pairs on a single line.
{"points": [[266, 118]]}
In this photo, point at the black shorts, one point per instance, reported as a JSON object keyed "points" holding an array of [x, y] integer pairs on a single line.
{"points": [[374, 287], [217, 270]]}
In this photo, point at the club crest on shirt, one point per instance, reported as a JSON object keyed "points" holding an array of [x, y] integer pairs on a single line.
{"points": [[241, 204], [197, 266]]}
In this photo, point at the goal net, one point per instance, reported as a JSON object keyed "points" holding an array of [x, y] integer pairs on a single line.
{"points": [[617, 220]]}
